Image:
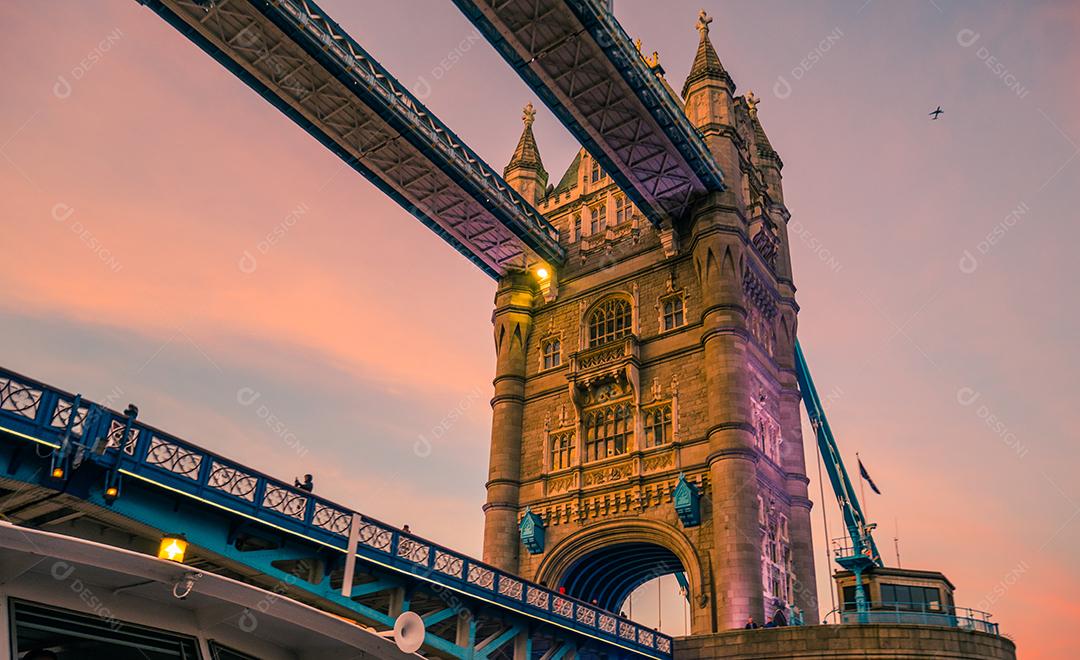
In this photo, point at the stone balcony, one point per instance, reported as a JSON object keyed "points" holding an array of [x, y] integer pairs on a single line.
{"points": [[616, 362]]}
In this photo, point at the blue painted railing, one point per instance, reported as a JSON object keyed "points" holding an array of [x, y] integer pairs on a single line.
{"points": [[917, 614], [42, 414]]}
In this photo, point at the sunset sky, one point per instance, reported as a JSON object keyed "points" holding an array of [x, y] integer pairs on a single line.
{"points": [[934, 261]]}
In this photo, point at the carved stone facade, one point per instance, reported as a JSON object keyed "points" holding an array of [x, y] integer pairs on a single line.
{"points": [[675, 356]]}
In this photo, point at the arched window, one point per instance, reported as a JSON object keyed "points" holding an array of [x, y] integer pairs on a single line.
{"points": [[608, 431], [624, 210], [610, 320], [552, 353], [562, 450], [674, 315], [597, 173], [658, 425], [597, 219]]}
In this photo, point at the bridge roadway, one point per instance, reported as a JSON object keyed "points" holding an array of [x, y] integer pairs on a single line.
{"points": [[243, 523], [577, 58], [304, 64]]}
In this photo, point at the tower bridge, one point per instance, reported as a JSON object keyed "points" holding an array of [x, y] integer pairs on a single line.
{"points": [[646, 408]]}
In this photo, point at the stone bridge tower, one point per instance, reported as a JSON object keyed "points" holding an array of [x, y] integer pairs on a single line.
{"points": [[646, 412]]}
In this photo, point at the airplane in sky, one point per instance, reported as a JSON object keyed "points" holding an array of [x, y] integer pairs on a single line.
{"points": [[936, 113]]}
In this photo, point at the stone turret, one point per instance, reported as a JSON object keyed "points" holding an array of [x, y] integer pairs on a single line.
{"points": [[709, 97], [525, 173]]}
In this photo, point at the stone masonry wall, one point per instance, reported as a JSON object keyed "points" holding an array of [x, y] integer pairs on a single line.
{"points": [[839, 642]]}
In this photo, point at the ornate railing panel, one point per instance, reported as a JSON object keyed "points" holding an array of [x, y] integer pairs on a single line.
{"points": [[19, 398]]}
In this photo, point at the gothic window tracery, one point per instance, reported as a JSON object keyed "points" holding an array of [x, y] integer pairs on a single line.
{"points": [[624, 210], [658, 427], [551, 353], [760, 328], [597, 173], [766, 429], [608, 321], [563, 450], [777, 576], [608, 431], [597, 219], [674, 312]]}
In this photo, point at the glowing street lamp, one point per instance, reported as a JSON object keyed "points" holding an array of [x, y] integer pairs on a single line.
{"points": [[542, 273], [173, 547]]}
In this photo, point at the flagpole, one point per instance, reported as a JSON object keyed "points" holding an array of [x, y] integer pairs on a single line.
{"points": [[896, 540], [862, 488], [825, 523]]}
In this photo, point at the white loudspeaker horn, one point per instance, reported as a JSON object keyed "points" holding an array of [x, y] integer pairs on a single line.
{"points": [[409, 632]]}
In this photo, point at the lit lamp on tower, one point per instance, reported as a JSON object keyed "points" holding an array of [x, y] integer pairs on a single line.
{"points": [[545, 277]]}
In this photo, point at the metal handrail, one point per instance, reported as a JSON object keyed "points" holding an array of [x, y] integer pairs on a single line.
{"points": [[915, 614], [40, 412]]}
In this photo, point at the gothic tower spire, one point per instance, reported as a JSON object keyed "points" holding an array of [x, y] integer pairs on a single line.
{"points": [[706, 61], [525, 172], [709, 97]]}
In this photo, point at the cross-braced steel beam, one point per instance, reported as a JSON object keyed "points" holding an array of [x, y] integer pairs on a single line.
{"points": [[576, 56], [309, 68]]}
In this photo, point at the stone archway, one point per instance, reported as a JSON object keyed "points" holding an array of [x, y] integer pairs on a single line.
{"points": [[607, 561]]}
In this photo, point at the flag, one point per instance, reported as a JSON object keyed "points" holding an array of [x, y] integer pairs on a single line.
{"points": [[866, 475]]}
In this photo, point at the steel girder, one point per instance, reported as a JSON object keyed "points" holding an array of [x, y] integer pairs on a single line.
{"points": [[313, 71], [577, 57]]}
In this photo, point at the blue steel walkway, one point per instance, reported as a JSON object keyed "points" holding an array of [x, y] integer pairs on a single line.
{"points": [[53, 440]]}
